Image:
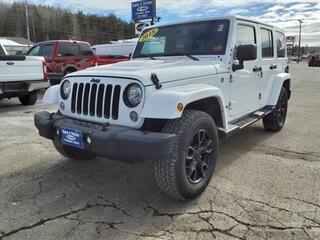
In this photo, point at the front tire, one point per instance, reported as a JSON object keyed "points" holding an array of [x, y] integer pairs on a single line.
{"points": [[187, 171], [276, 119], [72, 153], [29, 99]]}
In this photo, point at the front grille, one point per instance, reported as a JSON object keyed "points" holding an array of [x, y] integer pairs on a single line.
{"points": [[96, 100]]}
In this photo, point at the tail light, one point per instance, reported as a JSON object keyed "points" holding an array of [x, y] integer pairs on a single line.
{"points": [[45, 70], [94, 62]]}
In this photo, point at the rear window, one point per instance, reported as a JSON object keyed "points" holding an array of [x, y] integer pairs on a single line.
{"points": [[281, 45], [34, 51], [47, 50], [85, 49], [68, 50], [2, 53]]}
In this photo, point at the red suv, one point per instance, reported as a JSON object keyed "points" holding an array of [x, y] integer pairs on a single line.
{"points": [[66, 56], [314, 61]]}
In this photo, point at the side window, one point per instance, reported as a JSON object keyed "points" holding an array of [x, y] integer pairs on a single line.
{"points": [[47, 50], [85, 50], [281, 45], [246, 35], [34, 51], [266, 43], [68, 50], [2, 53]]}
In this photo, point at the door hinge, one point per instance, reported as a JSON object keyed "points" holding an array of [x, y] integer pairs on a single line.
{"points": [[260, 96], [230, 106]]}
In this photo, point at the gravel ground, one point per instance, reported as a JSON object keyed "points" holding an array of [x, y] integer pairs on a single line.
{"points": [[266, 185]]}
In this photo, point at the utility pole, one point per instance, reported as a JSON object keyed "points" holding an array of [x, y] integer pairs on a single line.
{"points": [[27, 22], [299, 48]]}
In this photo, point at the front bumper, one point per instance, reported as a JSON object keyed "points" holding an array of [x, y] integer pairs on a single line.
{"points": [[118, 143]]}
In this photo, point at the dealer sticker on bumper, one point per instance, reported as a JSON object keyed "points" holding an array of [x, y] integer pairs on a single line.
{"points": [[72, 138]]}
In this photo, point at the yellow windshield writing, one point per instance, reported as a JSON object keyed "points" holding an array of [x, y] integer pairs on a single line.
{"points": [[148, 35]]}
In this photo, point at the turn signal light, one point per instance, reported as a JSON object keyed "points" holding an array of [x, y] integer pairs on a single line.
{"points": [[180, 107]]}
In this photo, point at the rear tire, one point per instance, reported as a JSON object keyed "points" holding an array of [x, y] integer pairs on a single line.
{"points": [[187, 171], [72, 153], [276, 119], [29, 99]]}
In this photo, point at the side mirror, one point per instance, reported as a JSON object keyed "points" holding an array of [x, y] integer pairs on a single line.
{"points": [[245, 53]]}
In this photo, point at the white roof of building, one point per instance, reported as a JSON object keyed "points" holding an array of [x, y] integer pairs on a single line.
{"points": [[8, 43]]}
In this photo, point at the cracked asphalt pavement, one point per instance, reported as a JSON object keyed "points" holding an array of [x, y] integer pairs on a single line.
{"points": [[266, 185]]}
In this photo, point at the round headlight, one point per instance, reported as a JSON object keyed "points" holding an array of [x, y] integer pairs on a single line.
{"points": [[65, 89], [133, 95]]}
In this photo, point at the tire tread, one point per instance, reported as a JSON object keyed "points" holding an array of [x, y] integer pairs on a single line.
{"points": [[165, 167]]}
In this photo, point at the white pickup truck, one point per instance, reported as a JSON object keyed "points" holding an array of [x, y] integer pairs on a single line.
{"points": [[188, 84], [22, 77]]}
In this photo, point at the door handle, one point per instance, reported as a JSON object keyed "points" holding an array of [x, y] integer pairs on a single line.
{"points": [[273, 67], [10, 63], [257, 69]]}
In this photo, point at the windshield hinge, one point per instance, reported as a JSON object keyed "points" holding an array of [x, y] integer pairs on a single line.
{"points": [[156, 81]]}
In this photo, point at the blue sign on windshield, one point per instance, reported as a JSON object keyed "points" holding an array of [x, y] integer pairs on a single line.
{"points": [[143, 9]]}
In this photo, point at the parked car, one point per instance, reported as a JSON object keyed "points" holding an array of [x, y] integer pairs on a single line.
{"points": [[187, 84], [314, 61], [117, 48], [22, 77], [64, 57]]}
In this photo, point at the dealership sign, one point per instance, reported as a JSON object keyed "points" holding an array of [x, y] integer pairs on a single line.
{"points": [[143, 9], [291, 39]]}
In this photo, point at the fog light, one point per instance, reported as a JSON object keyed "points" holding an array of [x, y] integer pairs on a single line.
{"points": [[62, 106], [134, 116], [89, 140]]}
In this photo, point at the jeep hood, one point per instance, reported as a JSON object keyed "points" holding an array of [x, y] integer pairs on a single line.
{"points": [[166, 71]]}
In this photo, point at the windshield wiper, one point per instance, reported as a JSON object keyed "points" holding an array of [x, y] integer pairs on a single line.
{"points": [[192, 57], [182, 54]]}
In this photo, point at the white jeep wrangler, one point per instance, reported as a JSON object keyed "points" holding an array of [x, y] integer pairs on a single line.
{"points": [[186, 84]]}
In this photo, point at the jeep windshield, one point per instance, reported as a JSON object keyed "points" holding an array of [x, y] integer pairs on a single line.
{"points": [[195, 38]]}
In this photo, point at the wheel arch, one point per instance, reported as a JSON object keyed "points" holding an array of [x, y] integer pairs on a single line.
{"points": [[287, 85], [211, 106], [71, 68], [162, 104], [281, 80]]}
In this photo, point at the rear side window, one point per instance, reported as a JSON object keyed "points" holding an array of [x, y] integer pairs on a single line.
{"points": [[281, 45], [246, 35], [68, 50], [34, 51], [267, 43], [47, 50], [85, 49], [2, 53]]}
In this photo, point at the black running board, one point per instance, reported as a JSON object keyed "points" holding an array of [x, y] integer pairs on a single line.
{"points": [[240, 123]]}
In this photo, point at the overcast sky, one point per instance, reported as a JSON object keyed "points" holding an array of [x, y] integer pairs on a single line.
{"points": [[281, 13]]}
